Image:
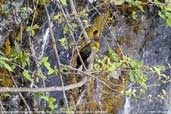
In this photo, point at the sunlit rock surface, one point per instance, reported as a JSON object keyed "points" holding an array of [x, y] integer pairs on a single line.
{"points": [[155, 49]]}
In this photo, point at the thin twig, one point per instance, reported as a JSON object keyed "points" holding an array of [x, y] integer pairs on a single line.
{"points": [[78, 20], [71, 32], [33, 53], [80, 97], [87, 74], [56, 55], [26, 104]]}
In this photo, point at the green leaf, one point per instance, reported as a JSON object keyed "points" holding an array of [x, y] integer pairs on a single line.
{"points": [[4, 58], [46, 98], [26, 75], [138, 77], [5, 65], [141, 8], [132, 75], [31, 29], [42, 2], [167, 14], [63, 42], [56, 71], [47, 65], [168, 8], [112, 55], [143, 84], [131, 92], [25, 59], [44, 59], [8, 67], [50, 71], [26, 10], [36, 26], [20, 57], [135, 64], [134, 15], [63, 2], [112, 67], [74, 25], [50, 102], [169, 22], [162, 15], [56, 17], [158, 69], [66, 29]]}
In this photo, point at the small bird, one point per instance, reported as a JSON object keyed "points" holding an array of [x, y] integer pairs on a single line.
{"points": [[85, 49], [85, 52]]}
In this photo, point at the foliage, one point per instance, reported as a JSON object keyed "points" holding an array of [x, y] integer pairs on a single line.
{"points": [[136, 3], [25, 12], [64, 2], [135, 73], [17, 56], [22, 58], [131, 92], [31, 29], [43, 2], [47, 65], [112, 62], [134, 15], [4, 63], [113, 56], [51, 103], [165, 11], [164, 7], [134, 68], [26, 74], [63, 42]]}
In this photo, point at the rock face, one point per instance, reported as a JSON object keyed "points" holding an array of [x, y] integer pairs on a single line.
{"points": [[156, 52], [151, 44], [148, 38]]}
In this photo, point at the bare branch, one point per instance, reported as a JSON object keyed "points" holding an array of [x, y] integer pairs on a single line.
{"points": [[56, 54], [78, 20], [47, 89], [66, 16]]}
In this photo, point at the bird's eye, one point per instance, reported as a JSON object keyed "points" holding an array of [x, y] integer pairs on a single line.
{"points": [[95, 32], [96, 35]]}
